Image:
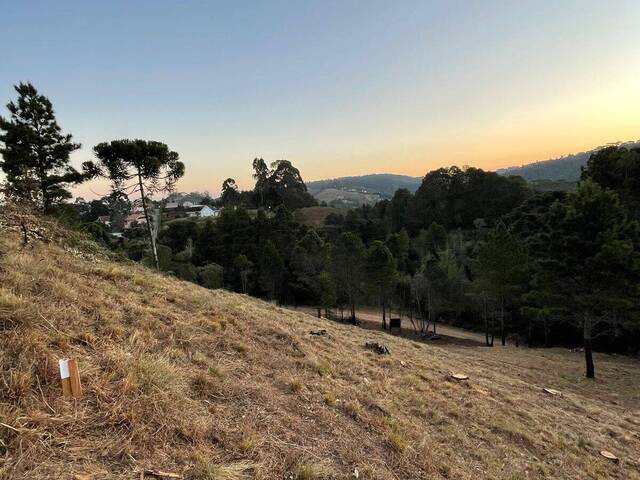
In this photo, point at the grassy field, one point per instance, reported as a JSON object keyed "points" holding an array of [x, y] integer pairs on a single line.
{"points": [[314, 216], [214, 385]]}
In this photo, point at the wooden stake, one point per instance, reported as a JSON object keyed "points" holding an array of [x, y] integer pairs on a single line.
{"points": [[70, 378], [76, 388], [65, 377]]}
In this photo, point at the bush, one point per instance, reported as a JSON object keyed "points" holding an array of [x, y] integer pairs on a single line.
{"points": [[210, 276]]}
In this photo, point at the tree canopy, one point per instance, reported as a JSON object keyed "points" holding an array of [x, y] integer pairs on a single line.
{"points": [[35, 152]]}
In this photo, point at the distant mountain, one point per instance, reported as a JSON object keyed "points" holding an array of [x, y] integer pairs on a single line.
{"points": [[359, 190], [564, 168]]}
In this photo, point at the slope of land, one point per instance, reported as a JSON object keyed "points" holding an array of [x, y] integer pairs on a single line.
{"points": [[566, 168], [314, 216], [359, 190], [214, 385]]}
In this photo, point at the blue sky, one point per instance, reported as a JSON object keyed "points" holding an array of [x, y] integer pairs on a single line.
{"points": [[337, 87]]}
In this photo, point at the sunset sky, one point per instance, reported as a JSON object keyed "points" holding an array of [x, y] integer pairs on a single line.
{"points": [[337, 87]]}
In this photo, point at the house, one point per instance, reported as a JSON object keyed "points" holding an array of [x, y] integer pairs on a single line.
{"points": [[133, 219], [104, 219], [201, 211], [187, 209]]}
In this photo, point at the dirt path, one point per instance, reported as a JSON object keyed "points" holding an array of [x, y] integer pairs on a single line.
{"points": [[372, 320]]}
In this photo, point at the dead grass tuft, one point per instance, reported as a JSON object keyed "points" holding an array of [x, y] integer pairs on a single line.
{"points": [[204, 469], [295, 385], [311, 470], [353, 408]]}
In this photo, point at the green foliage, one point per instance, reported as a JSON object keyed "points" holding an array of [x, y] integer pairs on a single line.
{"points": [[328, 296], [502, 270], [380, 272], [284, 186], [149, 165], [176, 233], [618, 169], [271, 270], [211, 276], [347, 262], [243, 265], [230, 196], [35, 152], [455, 198]]}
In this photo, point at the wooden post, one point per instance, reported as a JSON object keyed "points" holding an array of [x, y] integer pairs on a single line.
{"points": [[70, 377], [76, 388]]}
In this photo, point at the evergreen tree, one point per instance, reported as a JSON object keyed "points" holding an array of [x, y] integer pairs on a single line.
{"points": [[502, 266], [588, 255], [243, 266], [230, 196], [380, 274], [35, 152], [347, 257], [272, 269], [328, 296], [261, 176]]}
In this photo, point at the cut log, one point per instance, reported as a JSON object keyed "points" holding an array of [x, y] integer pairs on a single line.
{"points": [[160, 474], [551, 391], [379, 348], [459, 376], [609, 456]]}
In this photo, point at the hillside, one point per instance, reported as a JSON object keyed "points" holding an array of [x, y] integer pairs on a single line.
{"points": [[214, 385], [566, 168], [358, 190]]}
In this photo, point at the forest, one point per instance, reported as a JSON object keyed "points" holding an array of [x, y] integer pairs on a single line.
{"points": [[469, 247]]}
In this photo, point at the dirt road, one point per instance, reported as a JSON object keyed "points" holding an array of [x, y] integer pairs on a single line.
{"points": [[372, 320]]}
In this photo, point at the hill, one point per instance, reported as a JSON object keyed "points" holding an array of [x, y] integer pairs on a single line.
{"points": [[359, 190], [214, 385], [566, 168]]}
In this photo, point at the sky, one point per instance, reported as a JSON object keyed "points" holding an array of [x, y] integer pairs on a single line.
{"points": [[338, 87]]}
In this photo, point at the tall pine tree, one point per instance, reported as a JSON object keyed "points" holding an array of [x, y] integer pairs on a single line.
{"points": [[35, 152]]}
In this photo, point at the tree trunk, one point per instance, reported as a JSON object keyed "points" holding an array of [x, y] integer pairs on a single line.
{"points": [[152, 239], [25, 234], [429, 310], [502, 331], [588, 355], [486, 322], [384, 314], [546, 333], [493, 330]]}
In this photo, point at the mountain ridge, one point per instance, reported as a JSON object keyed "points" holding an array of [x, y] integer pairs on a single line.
{"points": [[356, 190]]}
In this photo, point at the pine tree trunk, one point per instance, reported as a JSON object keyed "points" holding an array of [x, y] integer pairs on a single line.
{"points": [[486, 322], [588, 354], [384, 314], [502, 331], [152, 239]]}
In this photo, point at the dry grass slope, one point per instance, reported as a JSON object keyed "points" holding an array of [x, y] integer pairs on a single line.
{"points": [[213, 385]]}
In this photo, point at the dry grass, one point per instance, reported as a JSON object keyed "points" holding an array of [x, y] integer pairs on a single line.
{"points": [[212, 385]]}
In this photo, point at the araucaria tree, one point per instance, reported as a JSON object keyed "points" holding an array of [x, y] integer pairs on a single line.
{"points": [[35, 152], [138, 167]]}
